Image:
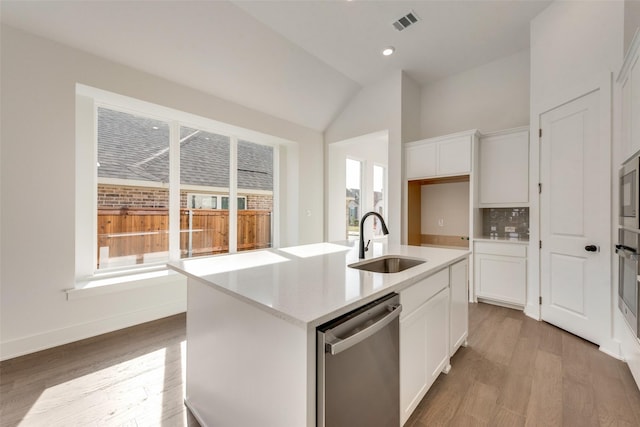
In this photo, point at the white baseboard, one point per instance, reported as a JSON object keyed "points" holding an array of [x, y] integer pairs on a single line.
{"points": [[630, 346], [43, 341], [612, 348], [501, 303], [194, 412], [533, 311]]}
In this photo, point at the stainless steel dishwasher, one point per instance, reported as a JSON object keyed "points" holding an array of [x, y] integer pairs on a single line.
{"points": [[358, 367]]}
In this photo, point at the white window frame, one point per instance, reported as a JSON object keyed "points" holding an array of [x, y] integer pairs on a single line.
{"points": [[385, 189], [88, 100]]}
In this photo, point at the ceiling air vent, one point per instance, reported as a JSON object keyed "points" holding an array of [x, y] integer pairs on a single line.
{"points": [[404, 22]]}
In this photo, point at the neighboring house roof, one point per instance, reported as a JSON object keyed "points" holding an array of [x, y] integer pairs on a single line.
{"points": [[137, 148]]}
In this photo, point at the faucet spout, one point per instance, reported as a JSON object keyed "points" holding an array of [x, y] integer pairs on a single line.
{"points": [[385, 231]]}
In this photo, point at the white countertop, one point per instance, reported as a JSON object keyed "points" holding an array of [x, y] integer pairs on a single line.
{"points": [[311, 284], [515, 240]]}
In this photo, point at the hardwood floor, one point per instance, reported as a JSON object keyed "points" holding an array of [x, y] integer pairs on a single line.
{"points": [[520, 372], [515, 371], [132, 377]]}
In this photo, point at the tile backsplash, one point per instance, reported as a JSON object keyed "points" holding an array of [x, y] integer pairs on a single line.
{"points": [[505, 222]]}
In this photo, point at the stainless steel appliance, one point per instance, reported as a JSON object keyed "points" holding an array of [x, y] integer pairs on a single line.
{"points": [[629, 188], [358, 367], [628, 292]]}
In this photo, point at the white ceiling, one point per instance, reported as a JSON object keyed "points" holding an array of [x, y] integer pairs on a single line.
{"points": [[451, 36], [298, 60]]}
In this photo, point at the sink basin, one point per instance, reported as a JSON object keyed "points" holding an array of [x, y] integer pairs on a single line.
{"points": [[387, 264]]}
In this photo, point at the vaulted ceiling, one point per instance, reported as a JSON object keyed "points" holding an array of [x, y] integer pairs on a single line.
{"points": [[298, 60]]}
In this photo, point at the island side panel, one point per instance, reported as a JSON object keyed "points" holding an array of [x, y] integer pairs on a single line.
{"points": [[245, 366]]}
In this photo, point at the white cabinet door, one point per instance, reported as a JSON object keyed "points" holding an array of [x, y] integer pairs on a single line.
{"points": [[629, 80], [413, 356], [437, 335], [424, 350], [420, 160], [626, 119], [442, 156], [454, 156], [459, 326], [501, 278], [634, 118], [504, 169]]}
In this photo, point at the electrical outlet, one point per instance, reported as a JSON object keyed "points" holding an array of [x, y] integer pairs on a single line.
{"points": [[441, 222]]}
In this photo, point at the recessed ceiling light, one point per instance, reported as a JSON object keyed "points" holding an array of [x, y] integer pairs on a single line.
{"points": [[155, 128], [388, 51]]}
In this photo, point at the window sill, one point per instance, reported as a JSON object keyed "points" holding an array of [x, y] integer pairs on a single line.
{"points": [[107, 285]]}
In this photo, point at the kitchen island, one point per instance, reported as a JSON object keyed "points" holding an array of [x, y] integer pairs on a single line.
{"points": [[252, 318]]}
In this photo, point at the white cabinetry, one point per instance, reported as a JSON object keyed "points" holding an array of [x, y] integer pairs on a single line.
{"points": [[421, 159], [459, 325], [501, 272], [504, 168], [442, 156], [454, 156], [424, 338], [629, 80]]}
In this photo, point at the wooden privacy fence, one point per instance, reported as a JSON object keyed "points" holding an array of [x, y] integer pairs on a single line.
{"points": [[128, 232]]}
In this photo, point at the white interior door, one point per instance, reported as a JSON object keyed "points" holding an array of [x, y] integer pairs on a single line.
{"points": [[574, 205]]}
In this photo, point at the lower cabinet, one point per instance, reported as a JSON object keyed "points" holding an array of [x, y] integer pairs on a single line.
{"points": [[501, 272], [459, 312], [424, 341]]}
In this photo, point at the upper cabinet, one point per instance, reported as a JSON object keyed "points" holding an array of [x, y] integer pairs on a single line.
{"points": [[442, 156], [421, 159], [629, 80], [504, 168]]}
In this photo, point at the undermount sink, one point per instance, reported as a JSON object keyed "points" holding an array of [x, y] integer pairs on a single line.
{"points": [[387, 264]]}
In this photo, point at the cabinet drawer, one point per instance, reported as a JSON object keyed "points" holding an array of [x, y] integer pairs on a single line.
{"points": [[505, 249], [416, 295]]}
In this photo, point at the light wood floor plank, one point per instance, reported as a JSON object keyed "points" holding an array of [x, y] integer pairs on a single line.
{"points": [[545, 405], [551, 379], [516, 371], [507, 418], [132, 377]]}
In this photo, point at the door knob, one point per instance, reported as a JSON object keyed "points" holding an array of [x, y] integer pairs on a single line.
{"points": [[592, 248]]}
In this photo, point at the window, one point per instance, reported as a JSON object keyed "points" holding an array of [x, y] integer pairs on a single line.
{"points": [[204, 165], [133, 198], [164, 187], [353, 196], [255, 179], [213, 201], [202, 201], [379, 199], [242, 202]]}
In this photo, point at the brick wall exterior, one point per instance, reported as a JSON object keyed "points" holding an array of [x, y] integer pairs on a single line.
{"points": [[118, 196], [259, 201]]}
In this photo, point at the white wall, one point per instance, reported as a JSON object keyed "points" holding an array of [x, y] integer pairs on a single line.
{"points": [[574, 48], [631, 21], [490, 97], [377, 108], [448, 202], [411, 109], [38, 190]]}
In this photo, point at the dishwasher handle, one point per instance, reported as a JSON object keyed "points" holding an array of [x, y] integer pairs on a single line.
{"points": [[340, 345]]}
